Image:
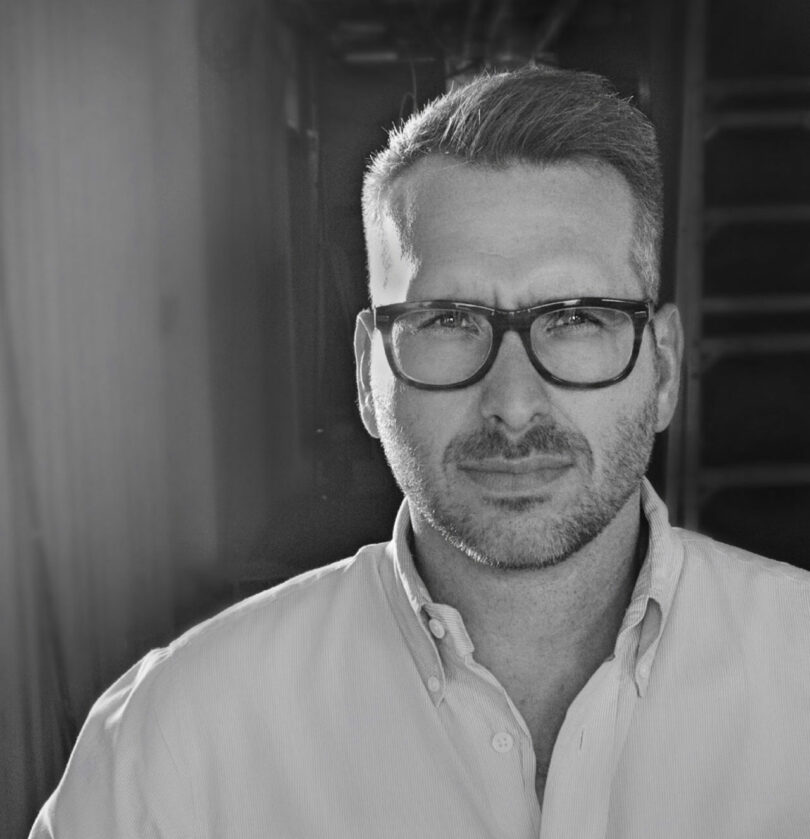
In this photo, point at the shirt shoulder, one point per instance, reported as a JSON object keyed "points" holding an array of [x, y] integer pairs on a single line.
{"points": [[259, 639], [149, 737], [734, 562], [747, 594], [294, 615]]}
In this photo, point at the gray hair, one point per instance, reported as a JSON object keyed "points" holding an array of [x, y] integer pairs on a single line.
{"points": [[541, 116]]}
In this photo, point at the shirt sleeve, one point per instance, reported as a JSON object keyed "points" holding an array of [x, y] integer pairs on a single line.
{"points": [[124, 779]]}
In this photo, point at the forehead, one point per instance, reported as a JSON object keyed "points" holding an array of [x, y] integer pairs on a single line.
{"points": [[510, 237]]}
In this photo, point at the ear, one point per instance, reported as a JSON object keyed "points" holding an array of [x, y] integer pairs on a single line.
{"points": [[668, 333], [363, 331]]}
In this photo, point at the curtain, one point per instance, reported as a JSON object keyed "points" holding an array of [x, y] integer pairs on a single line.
{"points": [[108, 496]]}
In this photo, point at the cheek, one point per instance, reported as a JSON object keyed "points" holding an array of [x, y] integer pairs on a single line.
{"points": [[604, 418], [420, 421]]}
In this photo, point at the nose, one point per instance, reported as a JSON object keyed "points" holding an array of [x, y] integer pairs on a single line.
{"points": [[513, 395]]}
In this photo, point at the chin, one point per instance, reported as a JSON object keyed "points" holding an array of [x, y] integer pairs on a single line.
{"points": [[527, 552], [517, 505], [526, 532]]}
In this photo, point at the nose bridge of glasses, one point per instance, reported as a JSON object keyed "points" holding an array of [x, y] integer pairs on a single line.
{"points": [[518, 321], [520, 344]]}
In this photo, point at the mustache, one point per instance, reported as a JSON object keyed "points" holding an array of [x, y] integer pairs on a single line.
{"points": [[542, 439]]}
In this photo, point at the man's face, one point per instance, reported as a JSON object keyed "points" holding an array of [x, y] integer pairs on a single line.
{"points": [[512, 470]]}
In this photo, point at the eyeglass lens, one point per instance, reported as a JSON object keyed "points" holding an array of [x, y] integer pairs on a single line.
{"points": [[583, 345]]}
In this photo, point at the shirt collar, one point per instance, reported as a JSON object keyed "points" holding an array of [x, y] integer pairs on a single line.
{"points": [[400, 578], [654, 591], [645, 617], [415, 589]]}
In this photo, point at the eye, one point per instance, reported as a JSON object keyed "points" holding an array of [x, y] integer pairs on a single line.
{"points": [[568, 319], [583, 323], [451, 320]]}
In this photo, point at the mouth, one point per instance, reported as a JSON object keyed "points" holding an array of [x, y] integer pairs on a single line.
{"points": [[523, 476]]}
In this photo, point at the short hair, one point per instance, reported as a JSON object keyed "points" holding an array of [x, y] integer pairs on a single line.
{"points": [[541, 116]]}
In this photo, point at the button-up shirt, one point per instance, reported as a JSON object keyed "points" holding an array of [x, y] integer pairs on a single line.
{"points": [[346, 703]]}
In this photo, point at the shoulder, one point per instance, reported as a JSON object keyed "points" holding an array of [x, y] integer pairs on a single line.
{"points": [[728, 560], [297, 612], [204, 699], [261, 641], [744, 587]]}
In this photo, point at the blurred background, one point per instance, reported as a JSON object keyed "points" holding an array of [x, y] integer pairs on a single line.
{"points": [[181, 261]]}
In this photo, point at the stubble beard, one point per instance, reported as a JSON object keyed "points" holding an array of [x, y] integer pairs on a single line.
{"points": [[522, 533]]}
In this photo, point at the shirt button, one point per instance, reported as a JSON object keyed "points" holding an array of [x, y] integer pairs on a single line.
{"points": [[502, 741], [433, 684], [436, 627]]}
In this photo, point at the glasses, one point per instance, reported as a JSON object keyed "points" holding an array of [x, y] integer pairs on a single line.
{"points": [[587, 342]]}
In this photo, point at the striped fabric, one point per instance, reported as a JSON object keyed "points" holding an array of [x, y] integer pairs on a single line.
{"points": [[346, 703]]}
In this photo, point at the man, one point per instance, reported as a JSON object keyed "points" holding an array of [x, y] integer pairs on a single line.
{"points": [[536, 651]]}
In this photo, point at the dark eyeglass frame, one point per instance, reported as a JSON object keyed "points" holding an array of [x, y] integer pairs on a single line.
{"points": [[511, 320]]}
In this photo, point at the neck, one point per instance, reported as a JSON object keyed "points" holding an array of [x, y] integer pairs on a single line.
{"points": [[566, 615]]}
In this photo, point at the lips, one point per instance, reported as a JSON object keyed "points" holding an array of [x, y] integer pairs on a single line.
{"points": [[524, 475]]}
